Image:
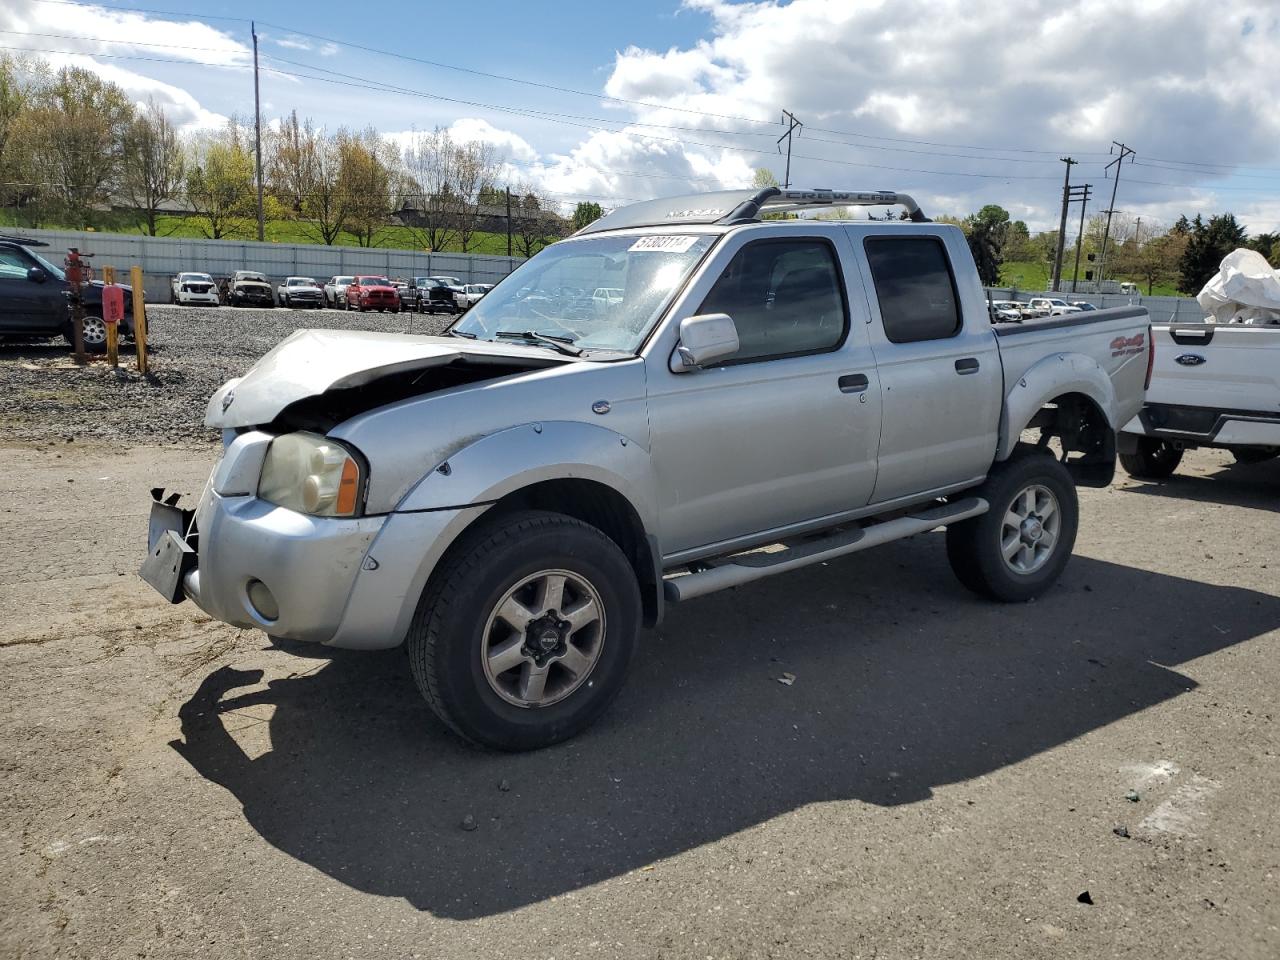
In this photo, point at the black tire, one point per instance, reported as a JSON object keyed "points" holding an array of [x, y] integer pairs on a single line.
{"points": [[975, 547], [173, 297], [1155, 459], [1251, 455], [446, 641]]}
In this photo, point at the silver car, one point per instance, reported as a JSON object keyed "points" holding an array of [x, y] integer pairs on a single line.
{"points": [[515, 499]]}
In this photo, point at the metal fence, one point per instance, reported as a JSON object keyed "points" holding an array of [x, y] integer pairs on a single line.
{"points": [[1162, 309], [162, 257]]}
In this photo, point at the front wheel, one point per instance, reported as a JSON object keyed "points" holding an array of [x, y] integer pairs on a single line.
{"points": [[524, 635], [1155, 459], [1017, 549]]}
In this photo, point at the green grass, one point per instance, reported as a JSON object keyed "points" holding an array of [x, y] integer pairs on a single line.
{"points": [[278, 231], [1035, 277]]}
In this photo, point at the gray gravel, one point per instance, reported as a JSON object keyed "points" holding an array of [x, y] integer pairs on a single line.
{"points": [[47, 398]]}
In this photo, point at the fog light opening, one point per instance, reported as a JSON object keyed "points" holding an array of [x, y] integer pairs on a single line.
{"points": [[263, 601]]}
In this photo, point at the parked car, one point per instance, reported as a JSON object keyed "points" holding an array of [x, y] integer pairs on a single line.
{"points": [[300, 292], [1051, 307], [1006, 311], [434, 293], [372, 293], [335, 291], [193, 288], [514, 499], [470, 295], [34, 298], [248, 288], [1084, 305], [1214, 385]]}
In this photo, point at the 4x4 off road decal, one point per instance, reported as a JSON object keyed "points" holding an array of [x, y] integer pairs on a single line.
{"points": [[1128, 346]]}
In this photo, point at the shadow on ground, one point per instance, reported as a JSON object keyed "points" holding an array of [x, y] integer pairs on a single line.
{"points": [[904, 683], [1253, 485]]}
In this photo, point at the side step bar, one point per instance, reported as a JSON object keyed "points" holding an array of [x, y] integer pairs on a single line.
{"points": [[755, 566]]}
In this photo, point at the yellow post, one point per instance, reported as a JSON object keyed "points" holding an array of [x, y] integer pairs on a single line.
{"points": [[113, 335], [139, 317]]}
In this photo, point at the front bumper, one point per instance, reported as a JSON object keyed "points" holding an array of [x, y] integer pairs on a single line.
{"points": [[342, 582], [188, 296]]}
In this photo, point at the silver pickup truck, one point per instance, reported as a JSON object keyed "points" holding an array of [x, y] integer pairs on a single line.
{"points": [[513, 500]]}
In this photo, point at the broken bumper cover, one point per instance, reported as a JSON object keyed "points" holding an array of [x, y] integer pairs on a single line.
{"points": [[342, 582]]}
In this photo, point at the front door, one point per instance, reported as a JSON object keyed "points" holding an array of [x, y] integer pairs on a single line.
{"points": [[25, 303], [786, 430]]}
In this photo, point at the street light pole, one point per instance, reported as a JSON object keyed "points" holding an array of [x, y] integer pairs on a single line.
{"points": [[257, 126]]}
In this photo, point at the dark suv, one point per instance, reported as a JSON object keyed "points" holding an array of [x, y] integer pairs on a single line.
{"points": [[33, 298]]}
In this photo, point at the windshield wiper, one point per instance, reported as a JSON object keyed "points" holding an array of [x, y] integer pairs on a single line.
{"points": [[463, 333], [560, 344]]}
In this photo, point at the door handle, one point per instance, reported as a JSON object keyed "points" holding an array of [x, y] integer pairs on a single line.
{"points": [[853, 383], [967, 365]]}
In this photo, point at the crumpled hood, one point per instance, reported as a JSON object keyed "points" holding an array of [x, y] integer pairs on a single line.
{"points": [[311, 362]]}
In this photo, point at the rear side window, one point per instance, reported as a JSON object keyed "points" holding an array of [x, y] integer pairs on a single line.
{"points": [[785, 297], [915, 288]]}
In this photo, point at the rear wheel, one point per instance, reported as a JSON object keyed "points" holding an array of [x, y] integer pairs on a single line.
{"points": [[1155, 459], [1017, 549], [524, 635], [94, 333]]}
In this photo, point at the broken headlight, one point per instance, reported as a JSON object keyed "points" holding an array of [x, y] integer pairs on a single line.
{"points": [[311, 474]]}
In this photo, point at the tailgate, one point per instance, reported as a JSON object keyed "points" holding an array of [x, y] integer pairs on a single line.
{"points": [[1223, 366]]}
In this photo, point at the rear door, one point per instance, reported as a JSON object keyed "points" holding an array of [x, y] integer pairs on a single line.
{"points": [[940, 376]]}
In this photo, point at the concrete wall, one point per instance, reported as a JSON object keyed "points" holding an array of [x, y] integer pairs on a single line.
{"points": [[1162, 309], [162, 257]]}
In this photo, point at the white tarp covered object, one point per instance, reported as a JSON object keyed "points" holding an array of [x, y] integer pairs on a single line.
{"points": [[1245, 290]]}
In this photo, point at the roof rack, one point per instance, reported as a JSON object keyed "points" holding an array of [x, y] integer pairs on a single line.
{"points": [[24, 241], [744, 206]]}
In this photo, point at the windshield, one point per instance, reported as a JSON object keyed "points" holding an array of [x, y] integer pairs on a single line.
{"points": [[555, 293], [195, 278], [49, 267], [374, 282], [255, 277], [301, 282]]}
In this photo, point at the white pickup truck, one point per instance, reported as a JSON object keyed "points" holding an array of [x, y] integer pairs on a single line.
{"points": [[515, 499], [1214, 385]]}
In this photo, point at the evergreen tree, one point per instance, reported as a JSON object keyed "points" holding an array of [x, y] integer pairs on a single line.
{"points": [[1207, 244]]}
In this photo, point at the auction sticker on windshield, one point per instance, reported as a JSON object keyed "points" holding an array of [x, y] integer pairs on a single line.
{"points": [[663, 244]]}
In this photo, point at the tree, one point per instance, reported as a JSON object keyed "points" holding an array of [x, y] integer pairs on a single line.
{"points": [[534, 222], [77, 131], [370, 180], [15, 100], [431, 166], [586, 213], [291, 162], [763, 177], [220, 185], [152, 163], [1207, 244], [1018, 245], [475, 166], [986, 234], [1267, 244]]}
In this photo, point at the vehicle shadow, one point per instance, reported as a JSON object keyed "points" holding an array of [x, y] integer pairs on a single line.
{"points": [[904, 682], [1253, 485]]}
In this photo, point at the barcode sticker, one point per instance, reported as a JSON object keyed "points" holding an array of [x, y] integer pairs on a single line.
{"points": [[662, 244]]}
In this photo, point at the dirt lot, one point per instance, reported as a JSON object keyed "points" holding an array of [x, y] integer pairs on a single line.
{"points": [[194, 350], [944, 778]]}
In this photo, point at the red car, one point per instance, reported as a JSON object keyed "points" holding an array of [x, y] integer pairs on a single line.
{"points": [[372, 293]]}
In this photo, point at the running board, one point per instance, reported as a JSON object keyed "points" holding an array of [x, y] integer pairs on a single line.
{"points": [[755, 566]]}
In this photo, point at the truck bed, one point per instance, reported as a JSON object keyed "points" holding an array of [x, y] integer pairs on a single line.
{"points": [[1115, 338]]}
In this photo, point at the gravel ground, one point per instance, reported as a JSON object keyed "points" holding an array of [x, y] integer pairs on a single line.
{"points": [[943, 779], [193, 351]]}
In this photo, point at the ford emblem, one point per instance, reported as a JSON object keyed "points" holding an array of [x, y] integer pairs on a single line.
{"points": [[1189, 359], [228, 400]]}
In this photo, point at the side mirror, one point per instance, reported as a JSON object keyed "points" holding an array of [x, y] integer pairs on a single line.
{"points": [[37, 275], [704, 339]]}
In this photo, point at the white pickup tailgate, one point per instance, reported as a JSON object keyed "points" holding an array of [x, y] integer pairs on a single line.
{"points": [[1217, 365]]}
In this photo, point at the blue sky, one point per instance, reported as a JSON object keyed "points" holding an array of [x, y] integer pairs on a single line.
{"points": [[958, 103]]}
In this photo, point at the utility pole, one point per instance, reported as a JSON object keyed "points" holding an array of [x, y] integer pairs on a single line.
{"points": [[1081, 194], [1125, 151], [1062, 226], [793, 126], [257, 126], [1137, 233], [508, 224]]}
